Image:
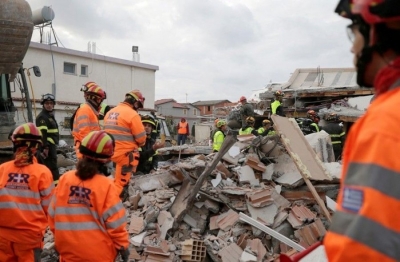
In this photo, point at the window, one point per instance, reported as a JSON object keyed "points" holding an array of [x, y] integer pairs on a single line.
{"points": [[184, 111], [194, 112], [69, 68], [84, 70], [208, 108]]}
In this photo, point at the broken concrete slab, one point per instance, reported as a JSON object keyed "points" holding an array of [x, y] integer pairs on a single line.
{"points": [[136, 225], [246, 174], [227, 220], [230, 253], [166, 222], [158, 180], [138, 239], [299, 149]]}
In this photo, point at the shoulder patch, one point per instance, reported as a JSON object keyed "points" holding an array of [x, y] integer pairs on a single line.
{"points": [[42, 121], [353, 199]]}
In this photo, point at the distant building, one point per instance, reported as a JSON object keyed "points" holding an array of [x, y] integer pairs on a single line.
{"points": [[172, 109], [207, 107], [64, 71]]}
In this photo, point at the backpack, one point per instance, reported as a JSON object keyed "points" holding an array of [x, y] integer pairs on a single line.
{"points": [[71, 120]]}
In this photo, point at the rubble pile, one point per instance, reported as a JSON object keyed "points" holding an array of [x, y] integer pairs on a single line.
{"points": [[216, 206]]}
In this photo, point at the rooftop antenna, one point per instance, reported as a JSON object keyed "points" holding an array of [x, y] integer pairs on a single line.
{"points": [[42, 18], [135, 54]]}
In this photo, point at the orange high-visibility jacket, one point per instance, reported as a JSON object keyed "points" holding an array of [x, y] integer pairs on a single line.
{"points": [[87, 219], [366, 225], [125, 125], [25, 194], [183, 128], [85, 121]]}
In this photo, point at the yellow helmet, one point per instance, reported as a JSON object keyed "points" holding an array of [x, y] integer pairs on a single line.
{"points": [[250, 120], [221, 123]]}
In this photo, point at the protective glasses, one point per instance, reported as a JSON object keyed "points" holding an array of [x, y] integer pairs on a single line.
{"points": [[48, 97]]}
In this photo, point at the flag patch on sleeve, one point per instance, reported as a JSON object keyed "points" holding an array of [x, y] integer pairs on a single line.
{"points": [[352, 199]]}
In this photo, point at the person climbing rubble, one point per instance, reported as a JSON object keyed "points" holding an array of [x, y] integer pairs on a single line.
{"points": [[335, 130], [249, 127], [276, 106], [86, 207], [246, 110], [148, 160], [25, 192], [266, 128], [311, 114], [124, 123], [365, 226], [219, 135]]}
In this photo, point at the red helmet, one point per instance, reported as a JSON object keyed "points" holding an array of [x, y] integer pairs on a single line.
{"points": [[242, 98], [27, 132], [311, 113], [98, 145], [97, 91], [86, 86], [137, 95], [376, 11]]}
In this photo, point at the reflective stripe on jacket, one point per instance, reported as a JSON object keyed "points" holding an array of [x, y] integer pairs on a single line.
{"points": [[25, 194], [315, 126], [124, 123], [87, 211], [219, 137], [49, 128], [366, 225], [85, 121]]}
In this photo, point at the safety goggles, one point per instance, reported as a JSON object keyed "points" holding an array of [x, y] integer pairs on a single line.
{"points": [[351, 31], [84, 88], [48, 97]]}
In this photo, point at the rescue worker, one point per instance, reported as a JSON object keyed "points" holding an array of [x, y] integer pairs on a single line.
{"points": [[246, 110], [249, 127], [266, 128], [214, 129], [156, 131], [219, 135], [124, 123], [86, 117], [183, 131], [86, 208], [365, 226], [26, 188], [335, 130], [311, 114], [104, 108], [276, 106], [148, 160], [48, 126]]}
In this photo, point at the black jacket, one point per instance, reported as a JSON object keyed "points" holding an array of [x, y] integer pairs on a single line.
{"points": [[148, 160], [47, 124]]}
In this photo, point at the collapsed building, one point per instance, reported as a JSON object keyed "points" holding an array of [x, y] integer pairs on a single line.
{"points": [[255, 199]]}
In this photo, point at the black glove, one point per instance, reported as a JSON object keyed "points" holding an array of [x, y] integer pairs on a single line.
{"points": [[124, 253]]}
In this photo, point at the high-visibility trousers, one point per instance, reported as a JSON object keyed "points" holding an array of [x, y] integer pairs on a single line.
{"points": [[125, 165], [17, 252]]}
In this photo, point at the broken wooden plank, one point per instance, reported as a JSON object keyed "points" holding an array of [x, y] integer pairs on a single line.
{"points": [[188, 191]]}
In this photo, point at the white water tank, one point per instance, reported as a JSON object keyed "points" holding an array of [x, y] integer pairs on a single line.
{"points": [[42, 15]]}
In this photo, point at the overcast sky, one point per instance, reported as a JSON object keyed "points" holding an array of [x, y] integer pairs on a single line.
{"points": [[208, 49]]}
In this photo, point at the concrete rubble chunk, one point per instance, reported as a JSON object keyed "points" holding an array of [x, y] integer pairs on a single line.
{"points": [[310, 234], [230, 253], [138, 239], [212, 206], [247, 257], [257, 247], [136, 224], [253, 161], [322, 145], [246, 174], [166, 221]]}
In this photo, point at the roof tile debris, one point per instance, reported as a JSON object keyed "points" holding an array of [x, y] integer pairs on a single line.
{"points": [[210, 224]]}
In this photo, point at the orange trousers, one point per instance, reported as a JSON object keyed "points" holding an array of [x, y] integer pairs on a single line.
{"points": [[17, 252], [125, 165]]}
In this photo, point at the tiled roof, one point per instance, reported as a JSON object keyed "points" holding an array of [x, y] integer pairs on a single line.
{"points": [[210, 102], [163, 101], [177, 105]]}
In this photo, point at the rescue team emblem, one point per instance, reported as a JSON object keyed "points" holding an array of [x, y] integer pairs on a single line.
{"points": [[18, 181], [79, 195], [113, 116]]}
